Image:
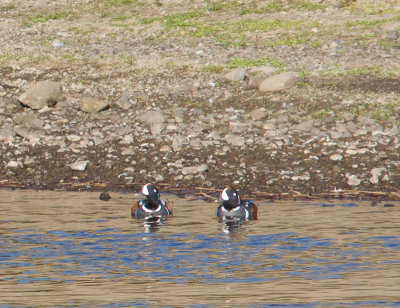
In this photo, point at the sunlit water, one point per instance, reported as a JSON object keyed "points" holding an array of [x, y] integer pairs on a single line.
{"points": [[71, 249]]}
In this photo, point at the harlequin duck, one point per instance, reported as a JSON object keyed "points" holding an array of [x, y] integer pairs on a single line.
{"points": [[233, 207], [152, 205]]}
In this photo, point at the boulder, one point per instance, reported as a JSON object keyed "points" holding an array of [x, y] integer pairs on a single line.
{"points": [[279, 82], [43, 94]]}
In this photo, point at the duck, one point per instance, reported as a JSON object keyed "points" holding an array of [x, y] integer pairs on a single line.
{"points": [[233, 207], [152, 205]]}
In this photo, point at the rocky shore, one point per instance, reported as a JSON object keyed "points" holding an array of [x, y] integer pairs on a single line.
{"points": [[91, 100]]}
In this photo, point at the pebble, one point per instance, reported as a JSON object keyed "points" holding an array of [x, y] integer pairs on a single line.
{"points": [[194, 169], [353, 180], [336, 157], [7, 134], [13, 164], [79, 165]]}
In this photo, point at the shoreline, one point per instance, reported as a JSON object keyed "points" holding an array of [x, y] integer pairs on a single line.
{"points": [[288, 100]]}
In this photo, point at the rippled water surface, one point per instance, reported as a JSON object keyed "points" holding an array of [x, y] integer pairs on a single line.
{"points": [[65, 249]]}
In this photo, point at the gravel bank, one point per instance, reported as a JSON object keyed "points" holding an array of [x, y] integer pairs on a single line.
{"points": [[94, 96]]}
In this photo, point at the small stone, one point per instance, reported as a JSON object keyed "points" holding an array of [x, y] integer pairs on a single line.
{"points": [[158, 177], [105, 196], [13, 164], [194, 169], [124, 101], [376, 173], [165, 148], [7, 134], [79, 165], [258, 114], [92, 104], [353, 180], [235, 140], [128, 139], [336, 157], [43, 94], [155, 119], [279, 82]]}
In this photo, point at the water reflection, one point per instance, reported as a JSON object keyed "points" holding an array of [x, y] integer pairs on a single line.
{"points": [[152, 223], [75, 251], [230, 225]]}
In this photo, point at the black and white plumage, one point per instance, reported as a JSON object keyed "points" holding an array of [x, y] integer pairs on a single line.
{"points": [[233, 207], [152, 205]]}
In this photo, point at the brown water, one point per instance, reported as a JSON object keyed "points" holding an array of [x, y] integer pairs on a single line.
{"points": [[71, 249]]}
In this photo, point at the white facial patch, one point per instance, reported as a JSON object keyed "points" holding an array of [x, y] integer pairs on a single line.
{"points": [[224, 195], [145, 190]]}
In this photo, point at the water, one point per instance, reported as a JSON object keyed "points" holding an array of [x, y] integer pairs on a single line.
{"points": [[71, 249]]}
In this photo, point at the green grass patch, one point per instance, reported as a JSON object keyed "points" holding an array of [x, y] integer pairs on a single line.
{"points": [[44, 17], [307, 6], [216, 6], [212, 68], [115, 3]]}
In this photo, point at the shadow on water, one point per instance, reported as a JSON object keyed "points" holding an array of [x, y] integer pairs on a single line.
{"points": [[66, 249]]}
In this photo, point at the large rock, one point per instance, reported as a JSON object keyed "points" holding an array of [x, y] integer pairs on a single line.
{"points": [[279, 82], [43, 94], [92, 104], [237, 74]]}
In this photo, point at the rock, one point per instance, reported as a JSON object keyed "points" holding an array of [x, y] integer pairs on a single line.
{"points": [[303, 126], [105, 196], [258, 114], [279, 82], [7, 134], [128, 139], [79, 165], [92, 104], [13, 164], [43, 94], [165, 148], [157, 128], [194, 169], [124, 101], [31, 135], [235, 140], [129, 151], [236, 75], [152, 116], [336, 157], [376, 174], [353, 180], [156, 120], [254, 82]]}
